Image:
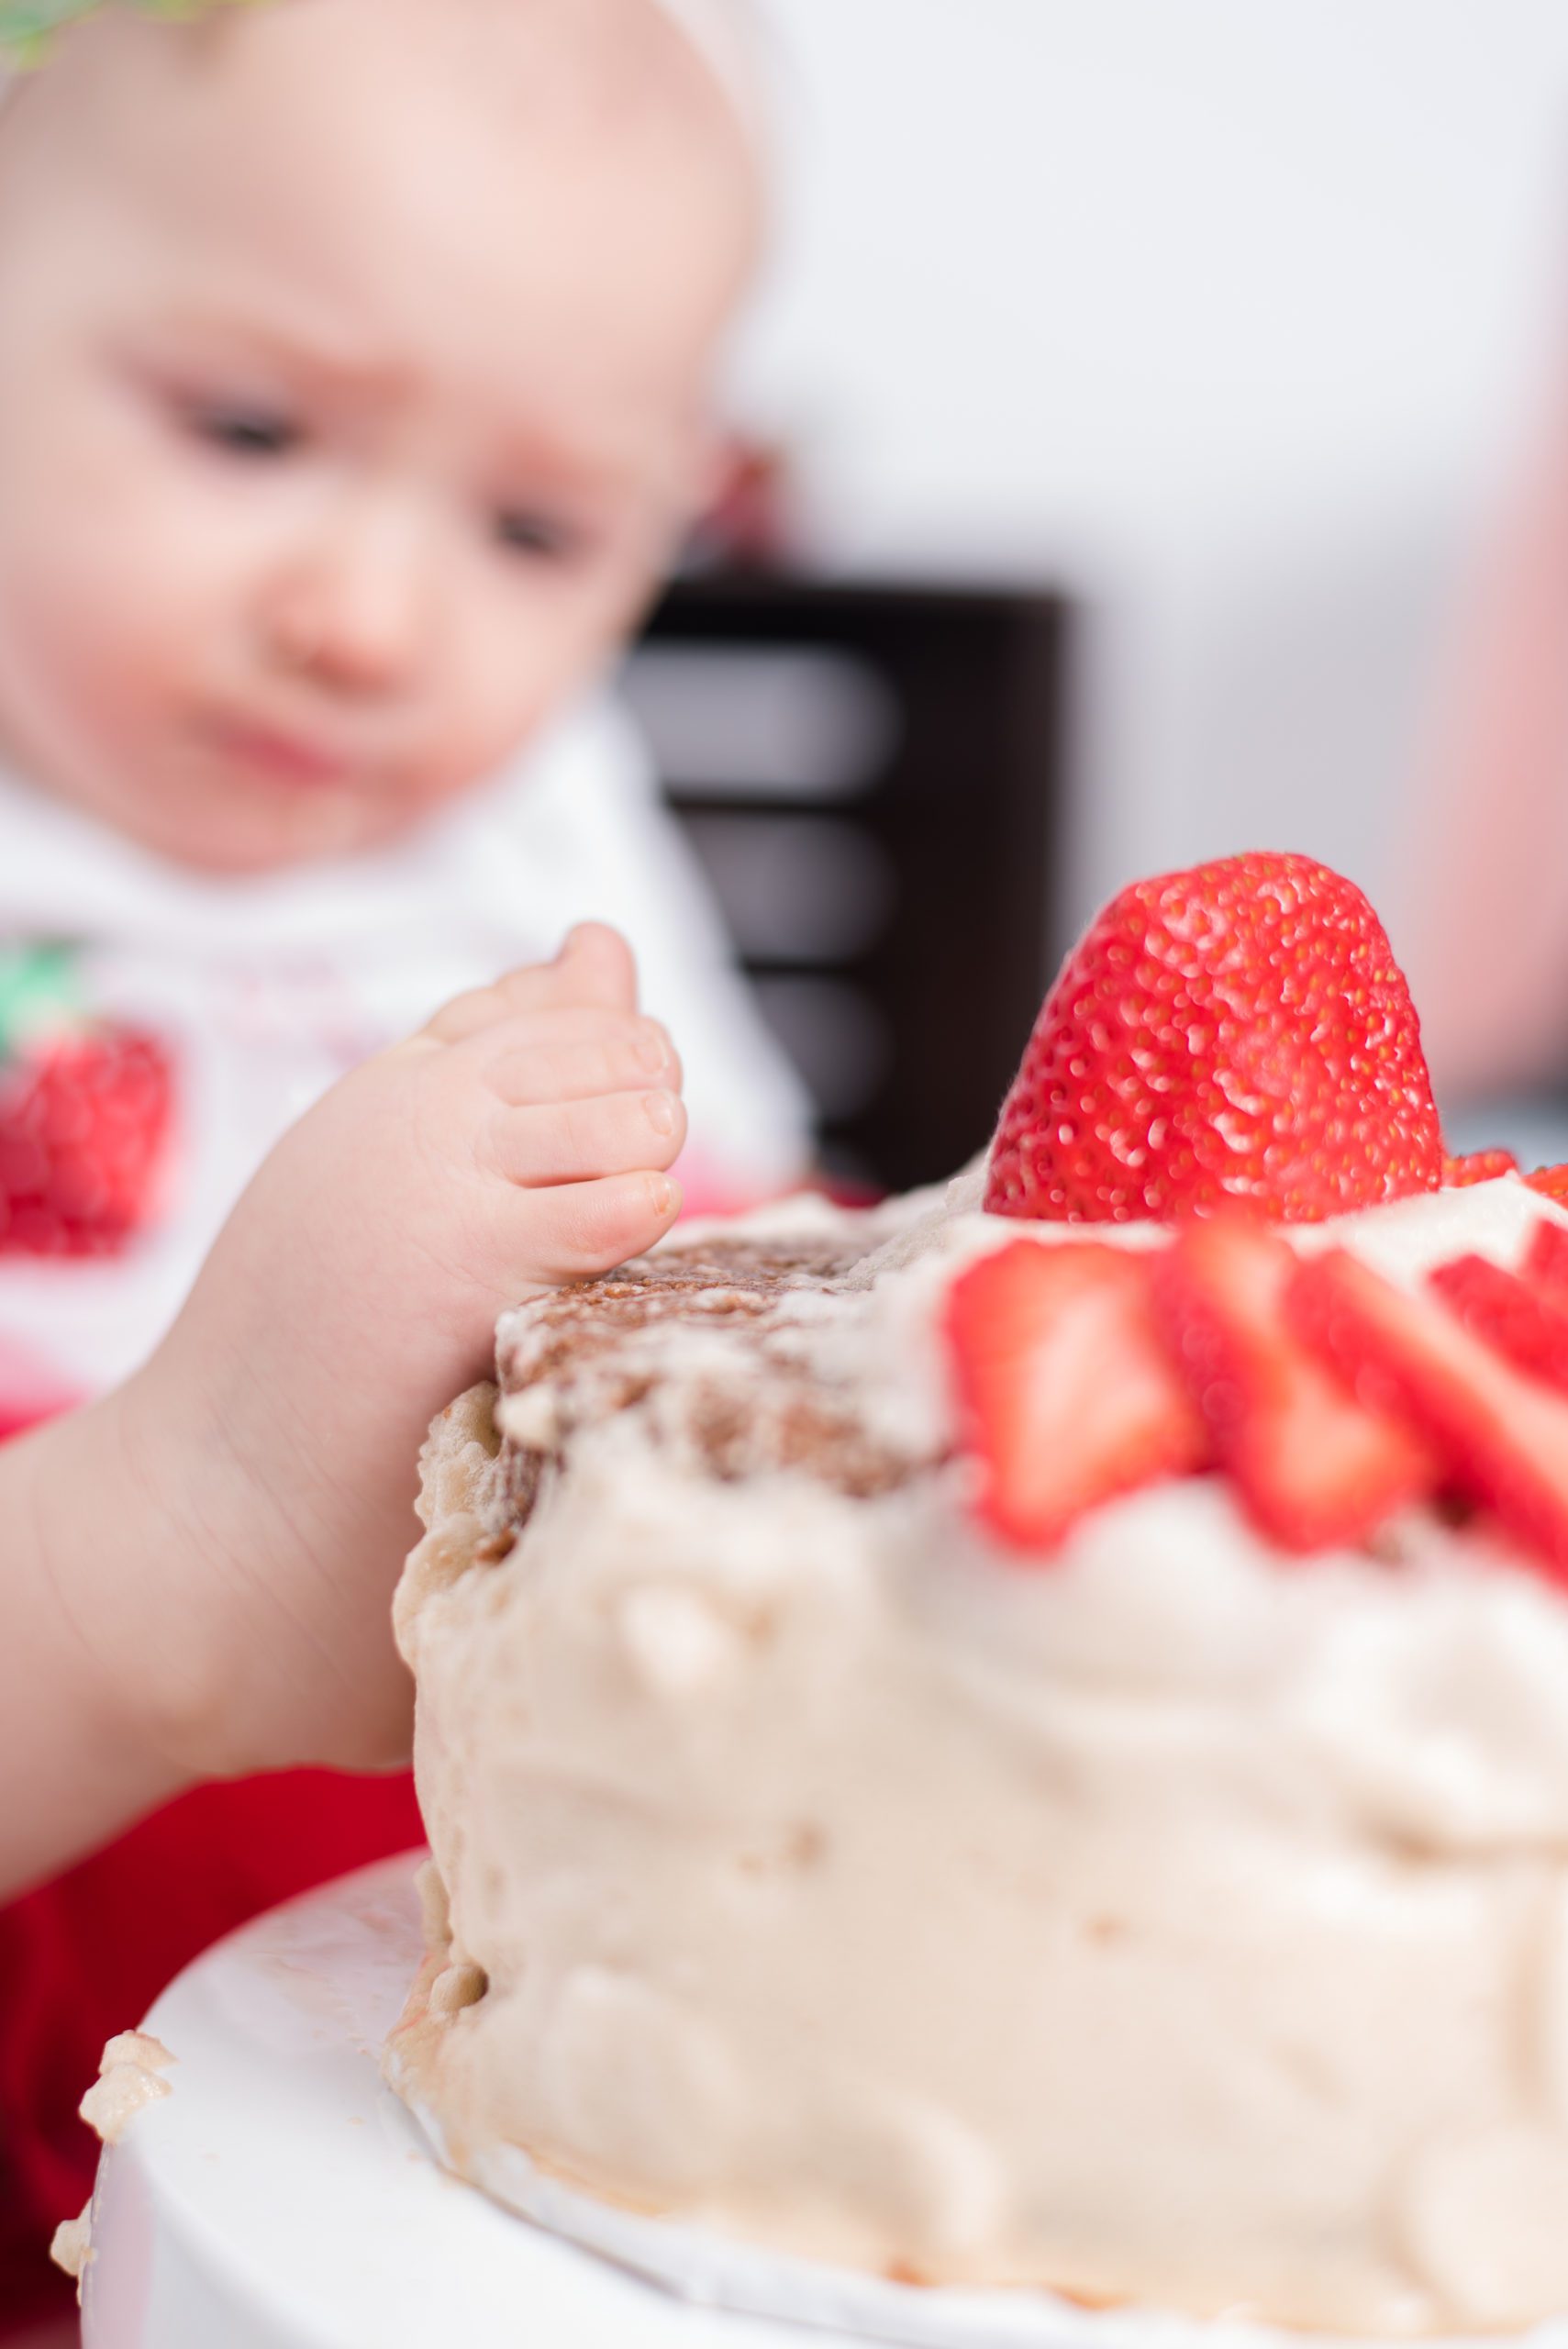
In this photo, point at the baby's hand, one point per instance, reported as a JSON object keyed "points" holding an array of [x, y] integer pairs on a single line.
{"points": [[521, 1139]]}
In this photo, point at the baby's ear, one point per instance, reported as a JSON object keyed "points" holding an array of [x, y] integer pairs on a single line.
{"points": [[742, 493], [713, 452]]}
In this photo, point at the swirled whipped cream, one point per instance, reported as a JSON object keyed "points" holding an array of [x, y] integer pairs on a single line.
{"points": [[1166, 1920]]}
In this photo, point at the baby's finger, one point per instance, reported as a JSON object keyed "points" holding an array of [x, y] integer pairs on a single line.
{"points": [[595, 967], [572, 1055], [581, 1227], [572, 1141]]}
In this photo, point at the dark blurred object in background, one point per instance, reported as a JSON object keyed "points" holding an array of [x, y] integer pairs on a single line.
{"points": [[871, 777]]}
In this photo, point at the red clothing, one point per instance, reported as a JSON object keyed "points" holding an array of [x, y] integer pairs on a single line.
{"points": [[85, 1957]]}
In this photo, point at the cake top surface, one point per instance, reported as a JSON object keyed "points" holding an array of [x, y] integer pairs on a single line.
{"points": [[816, 1339]]}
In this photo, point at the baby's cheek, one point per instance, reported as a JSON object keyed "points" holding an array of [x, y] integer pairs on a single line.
{"points": [[525, 651], [104, 592], [71, 670], [488, 713]]}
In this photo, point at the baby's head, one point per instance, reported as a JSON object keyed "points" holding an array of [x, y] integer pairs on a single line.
{"points": [[353, 357]]}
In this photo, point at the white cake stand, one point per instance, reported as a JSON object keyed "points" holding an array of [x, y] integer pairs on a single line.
{"points": [[281, 2197]]}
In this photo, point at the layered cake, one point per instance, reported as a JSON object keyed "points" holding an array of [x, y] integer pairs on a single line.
{"points": [[1020, 1738]]}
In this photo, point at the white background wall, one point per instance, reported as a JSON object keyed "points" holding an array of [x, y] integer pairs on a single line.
{"points": [[1222, 313]]}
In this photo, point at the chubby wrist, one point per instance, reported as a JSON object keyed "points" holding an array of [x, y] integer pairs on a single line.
{"points": [[253, 1642], [80, 1741], [153, 1592], [105, 1529]]}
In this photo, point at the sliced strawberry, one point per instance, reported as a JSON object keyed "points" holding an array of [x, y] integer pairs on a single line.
{"points": [[1546, 1262], [1517, 1319], [1065, 1389], [1501, 1436], [1551, 1181], [1314, 1466], [1478, 1166]]}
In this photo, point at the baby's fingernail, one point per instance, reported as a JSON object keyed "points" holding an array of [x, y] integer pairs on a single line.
{"points": [[651, 1049], [660, 1110], [664, 1196]]}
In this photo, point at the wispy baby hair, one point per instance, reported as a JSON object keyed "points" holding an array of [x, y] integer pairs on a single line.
{"points": [[722, 30], [25, 25]]}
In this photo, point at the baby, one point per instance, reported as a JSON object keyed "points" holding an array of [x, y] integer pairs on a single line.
{"points": [[354, 357], [353, 361]]}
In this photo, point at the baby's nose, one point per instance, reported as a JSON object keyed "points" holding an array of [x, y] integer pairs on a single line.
{"points": [[355, 607]]}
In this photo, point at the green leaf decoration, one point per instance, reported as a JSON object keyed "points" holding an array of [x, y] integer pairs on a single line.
{"points": [[39, 993], [26, 27]]}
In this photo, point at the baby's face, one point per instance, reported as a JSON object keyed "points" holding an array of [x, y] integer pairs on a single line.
{"points": [[350, 401]]}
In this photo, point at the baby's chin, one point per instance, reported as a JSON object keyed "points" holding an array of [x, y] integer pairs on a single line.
{"points": [[245, 836], [326, 832]]}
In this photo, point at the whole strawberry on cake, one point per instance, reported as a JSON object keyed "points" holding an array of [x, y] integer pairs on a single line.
{"points": [[1020, 1738]]}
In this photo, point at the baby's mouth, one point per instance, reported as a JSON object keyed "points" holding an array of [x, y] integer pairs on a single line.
{"points": [[295, 760]]}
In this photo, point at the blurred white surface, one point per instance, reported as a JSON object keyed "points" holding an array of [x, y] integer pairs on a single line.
{"points": [[1225, 317]]}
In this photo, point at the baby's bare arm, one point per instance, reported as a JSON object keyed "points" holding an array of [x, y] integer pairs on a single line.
{"points": [[200, 1565]]}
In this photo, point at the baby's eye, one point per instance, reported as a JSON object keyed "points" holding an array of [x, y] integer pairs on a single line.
{"points": [[546, 537], [245, 431]]}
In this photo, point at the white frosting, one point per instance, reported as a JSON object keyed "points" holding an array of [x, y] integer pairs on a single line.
{"points": [[1166, 1922], [130, 2077], [71, 2247]]}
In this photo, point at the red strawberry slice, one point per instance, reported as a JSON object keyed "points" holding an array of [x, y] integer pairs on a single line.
{"points": [[1546, 1262], [1521, 1321], [1501, 1436], [1478, 1166], [1065, 1390], [82, 1128], [1551, 1181], [1315, 1467], [1241, 1031]]}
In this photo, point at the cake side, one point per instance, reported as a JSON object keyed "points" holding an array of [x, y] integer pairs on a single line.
{"points": [[816, 1872]]}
